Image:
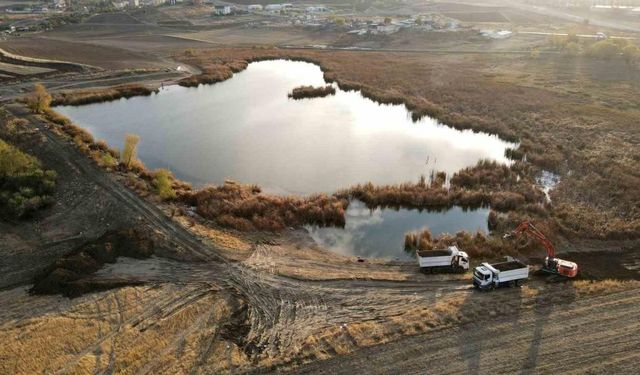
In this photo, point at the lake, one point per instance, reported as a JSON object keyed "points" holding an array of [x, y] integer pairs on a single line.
{"points": [[380, 233], [247, 129]]}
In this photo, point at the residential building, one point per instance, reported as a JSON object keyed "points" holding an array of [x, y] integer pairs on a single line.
{"points": [[222, 10]]}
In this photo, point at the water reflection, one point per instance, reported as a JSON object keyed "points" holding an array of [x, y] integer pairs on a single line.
{"points": [[248, 130], [548, 181], [380, 233]]}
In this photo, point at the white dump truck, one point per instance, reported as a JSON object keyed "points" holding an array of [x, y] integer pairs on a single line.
{"points": [[510, 273], [450, 259]]}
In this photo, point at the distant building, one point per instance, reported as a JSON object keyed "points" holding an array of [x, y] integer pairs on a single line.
{"points": [[387, 29], [222, 10], [134, 3], [274, 7], [60, 4], [150, 3], [120, 4], [317, 9], [254, 8], [277, 7], [493, 34]]}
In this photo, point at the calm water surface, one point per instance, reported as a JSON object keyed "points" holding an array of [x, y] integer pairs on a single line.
{"points": [[248, 130], [380, 233]]}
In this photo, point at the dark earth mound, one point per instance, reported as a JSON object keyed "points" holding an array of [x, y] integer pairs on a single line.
{"points": [[69, 275]]}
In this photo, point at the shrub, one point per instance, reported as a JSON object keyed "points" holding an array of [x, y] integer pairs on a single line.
{"points": [[421, 240], [505, 200], [40, 100], [76, 132], [130, 150], [162, 183], [492, 220], [212, 73], [604, 49], [631, 54], [57, 118], [24, 186], [104, 159], [14, 126]]}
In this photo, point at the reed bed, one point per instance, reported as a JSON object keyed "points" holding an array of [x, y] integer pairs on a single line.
{"points": [[81, 97], [304, 92], [244, 207], [475, 244]]}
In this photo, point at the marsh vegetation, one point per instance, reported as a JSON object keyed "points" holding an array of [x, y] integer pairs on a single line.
{"points": [[303, 92]]}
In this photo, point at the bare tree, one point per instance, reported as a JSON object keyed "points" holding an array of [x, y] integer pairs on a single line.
{"points": [[130, 149], [39, 100]]}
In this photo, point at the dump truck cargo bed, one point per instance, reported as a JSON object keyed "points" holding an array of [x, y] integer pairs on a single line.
{"points": [[509, 266], [434, 253]]}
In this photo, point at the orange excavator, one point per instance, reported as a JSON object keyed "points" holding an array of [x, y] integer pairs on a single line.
{"points": [[551, 263]]}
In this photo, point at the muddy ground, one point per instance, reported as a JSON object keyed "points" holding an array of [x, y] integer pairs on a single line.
{"points": [[197, 299]]}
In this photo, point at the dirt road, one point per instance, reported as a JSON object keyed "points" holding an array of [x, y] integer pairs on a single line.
{"points": [[594, 335]]}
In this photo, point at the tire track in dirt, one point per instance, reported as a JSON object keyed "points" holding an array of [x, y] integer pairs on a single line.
{"points": [[574, 338]]}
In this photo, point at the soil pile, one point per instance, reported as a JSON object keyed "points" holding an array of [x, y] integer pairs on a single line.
{"points": [[69, 274]]}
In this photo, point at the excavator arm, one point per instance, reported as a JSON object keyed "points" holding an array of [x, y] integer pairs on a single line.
{"points": [[552, 264], [530, 230]]}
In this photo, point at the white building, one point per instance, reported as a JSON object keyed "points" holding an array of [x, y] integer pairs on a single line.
{"points": [[59, 4], [317, 9], [151, 3], [493, 34], [277, 7], [274, 7], [222, 10], [387, 29], [254, 8], [120, 4]]}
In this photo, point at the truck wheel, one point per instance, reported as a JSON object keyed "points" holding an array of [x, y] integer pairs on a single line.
{"points": [[517, 282]]}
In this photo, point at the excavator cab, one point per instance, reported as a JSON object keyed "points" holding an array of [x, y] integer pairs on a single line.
{"points": [[561, 267]]}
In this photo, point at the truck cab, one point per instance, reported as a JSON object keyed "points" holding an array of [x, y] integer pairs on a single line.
{"points": [[482, 277], [462, 260]]}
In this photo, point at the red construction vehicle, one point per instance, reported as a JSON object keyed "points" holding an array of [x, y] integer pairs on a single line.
{"points": [[551, 263]]}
